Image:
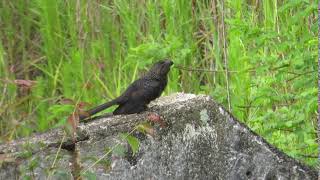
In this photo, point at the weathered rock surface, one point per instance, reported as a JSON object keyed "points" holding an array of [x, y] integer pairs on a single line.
{"points": [[201, 141]]}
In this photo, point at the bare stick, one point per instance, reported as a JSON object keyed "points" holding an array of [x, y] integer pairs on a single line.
{"points": [[225, 56]]}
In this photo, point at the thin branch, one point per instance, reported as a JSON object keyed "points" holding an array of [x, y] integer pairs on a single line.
{"points": [[291, 130], [56, 156], [206, 70], [318, 130], [298, 75], [225, 57], [307, 156], [260, 106]]}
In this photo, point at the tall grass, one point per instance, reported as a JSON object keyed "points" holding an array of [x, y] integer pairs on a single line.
{"points": [[89, 51]]}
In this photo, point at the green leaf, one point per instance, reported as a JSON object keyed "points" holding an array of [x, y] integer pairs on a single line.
{"points": [[132, 141]]}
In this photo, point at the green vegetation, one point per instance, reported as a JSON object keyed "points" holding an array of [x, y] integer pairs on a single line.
{"points": [[89, 51]]}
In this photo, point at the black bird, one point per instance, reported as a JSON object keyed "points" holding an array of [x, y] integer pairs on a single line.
{"points": [[139, 94]]}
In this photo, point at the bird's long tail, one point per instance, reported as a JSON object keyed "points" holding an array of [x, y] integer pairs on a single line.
{"points": [[97, 109]]}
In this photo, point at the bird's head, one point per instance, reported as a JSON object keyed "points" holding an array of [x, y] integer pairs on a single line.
{"points": [[161, 68]]}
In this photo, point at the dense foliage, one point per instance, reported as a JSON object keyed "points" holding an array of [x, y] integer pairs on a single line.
{"points": [[89, 51]]}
